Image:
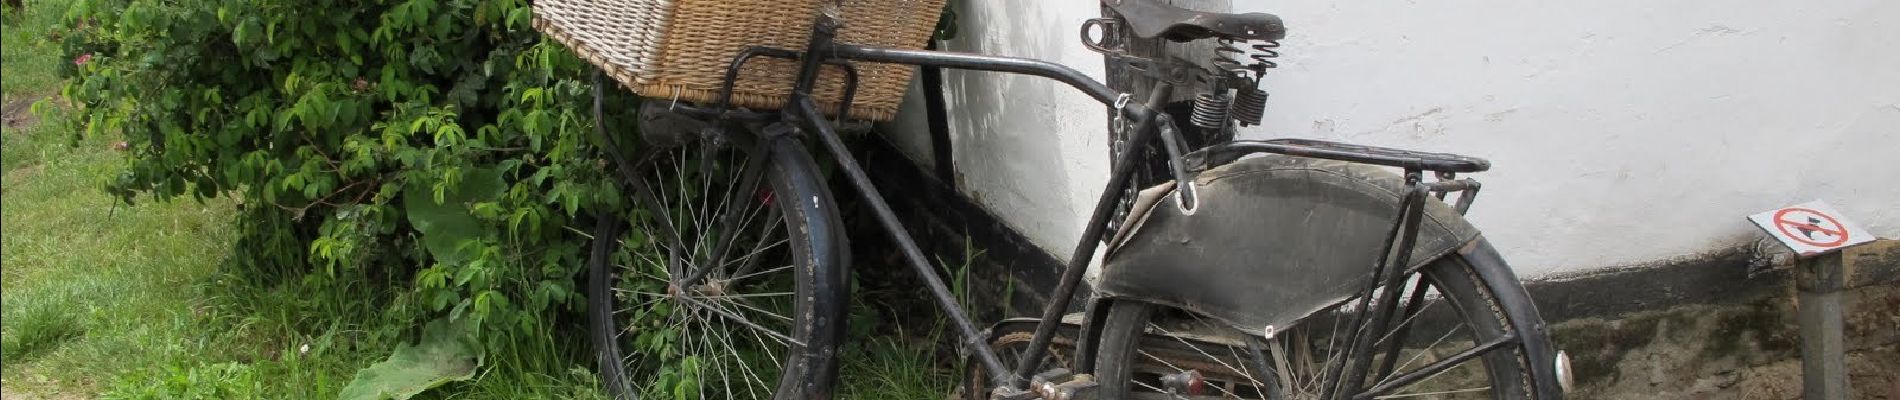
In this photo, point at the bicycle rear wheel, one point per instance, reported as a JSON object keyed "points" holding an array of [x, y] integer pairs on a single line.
{"points": [[1448, 309], [730, 283]]}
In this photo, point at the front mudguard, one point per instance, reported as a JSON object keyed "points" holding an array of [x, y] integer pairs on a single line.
{"points": [[1272, 240]]}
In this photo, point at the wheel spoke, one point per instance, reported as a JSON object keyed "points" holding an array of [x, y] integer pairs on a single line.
{"points": [[1400, 396], [774, 269], [1418, 295], [741, 320], [1433, 369], [704, 178], [747, 295], [1144, 385], [769, 355], [747, 178], [1197, 349], [641, 306], [752, 376], [751, 259], [1300, 373], [724, 335], [699, 349], [752, 380], [1435, 343], [760, 248], [725, 239], [1412, 309], [1176, 368], [1286, 370], [700, 273], [759, 310], [686, 203]]}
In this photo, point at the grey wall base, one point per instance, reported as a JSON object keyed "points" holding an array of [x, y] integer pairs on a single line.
{"points": [[1701, 338]]}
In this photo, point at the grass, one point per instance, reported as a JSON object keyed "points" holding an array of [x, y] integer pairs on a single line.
{"points": [[890, 368], [96, 293], [104, 299], [89, 290], [29, 71], [887, 358]]}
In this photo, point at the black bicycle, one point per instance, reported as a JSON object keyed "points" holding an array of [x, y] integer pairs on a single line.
{"points": [[1278, 269]]}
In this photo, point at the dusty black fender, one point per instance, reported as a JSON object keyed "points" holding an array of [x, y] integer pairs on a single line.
{"points": [[1272, 240]]}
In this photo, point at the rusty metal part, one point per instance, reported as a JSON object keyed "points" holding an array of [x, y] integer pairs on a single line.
{"points": [[1188, 382], [1211, 110], [1250, 105], [1013, 334]]}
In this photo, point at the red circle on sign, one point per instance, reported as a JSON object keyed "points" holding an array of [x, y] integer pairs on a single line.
{"points": [[1839, 232]]}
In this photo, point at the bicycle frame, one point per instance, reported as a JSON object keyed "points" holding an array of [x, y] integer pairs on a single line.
{"points": [[802, 112]]}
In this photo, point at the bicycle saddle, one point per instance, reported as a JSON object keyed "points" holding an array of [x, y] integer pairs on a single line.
{"points": [[1151, 18]]}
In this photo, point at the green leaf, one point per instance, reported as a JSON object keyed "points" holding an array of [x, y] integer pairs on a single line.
{"points": [[446, 225], [446, 353]]}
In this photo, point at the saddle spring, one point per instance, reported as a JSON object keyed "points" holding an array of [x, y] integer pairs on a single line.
{"points": [[1210, 110], [1250, 105], [1231, 55], [1245, 63]]}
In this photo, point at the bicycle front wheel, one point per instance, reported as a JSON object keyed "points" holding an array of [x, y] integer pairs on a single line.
{"points": [[726, 281], [1452, 338]]}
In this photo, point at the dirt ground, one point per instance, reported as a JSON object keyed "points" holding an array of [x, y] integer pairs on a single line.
{"points": [[16, 115]]}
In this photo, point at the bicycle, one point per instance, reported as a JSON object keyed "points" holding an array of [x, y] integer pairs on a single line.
{"points": [[1216, 280]]}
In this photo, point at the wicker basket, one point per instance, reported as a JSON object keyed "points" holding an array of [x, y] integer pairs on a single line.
{"points": [[679, 49]]}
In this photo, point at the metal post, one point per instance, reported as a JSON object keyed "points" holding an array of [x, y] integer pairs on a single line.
{"points": [[1823, 346]]}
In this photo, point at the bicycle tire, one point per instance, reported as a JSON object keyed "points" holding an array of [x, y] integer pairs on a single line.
{"points": [[1484, 304], [813, 245]]}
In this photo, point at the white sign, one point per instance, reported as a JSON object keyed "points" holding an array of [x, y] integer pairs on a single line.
{"points": [[1811, 228]]}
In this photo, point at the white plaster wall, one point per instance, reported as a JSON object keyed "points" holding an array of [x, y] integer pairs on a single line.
{"points": [[1621, 131], [1023, 146]]}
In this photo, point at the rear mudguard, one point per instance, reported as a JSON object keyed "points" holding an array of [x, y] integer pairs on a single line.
{"points": [[1272, 239]]}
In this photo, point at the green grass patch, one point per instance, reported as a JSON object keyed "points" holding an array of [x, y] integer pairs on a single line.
{"points": [[94, 288], [896, 367], [38, 321], [30, 36]]}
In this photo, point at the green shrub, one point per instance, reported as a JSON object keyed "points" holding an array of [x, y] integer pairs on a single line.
{"points": [[423, 157]]}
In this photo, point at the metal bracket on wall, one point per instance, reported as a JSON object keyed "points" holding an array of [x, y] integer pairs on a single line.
{"points": [[943, 165]]}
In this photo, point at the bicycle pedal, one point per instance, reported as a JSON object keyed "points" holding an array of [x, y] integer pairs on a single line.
{"points": [[1051, 376], [1008, 393], [1083, 388]]}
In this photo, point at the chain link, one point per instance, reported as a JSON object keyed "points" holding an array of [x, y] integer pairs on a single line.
{"points": [[1118, 144]]}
